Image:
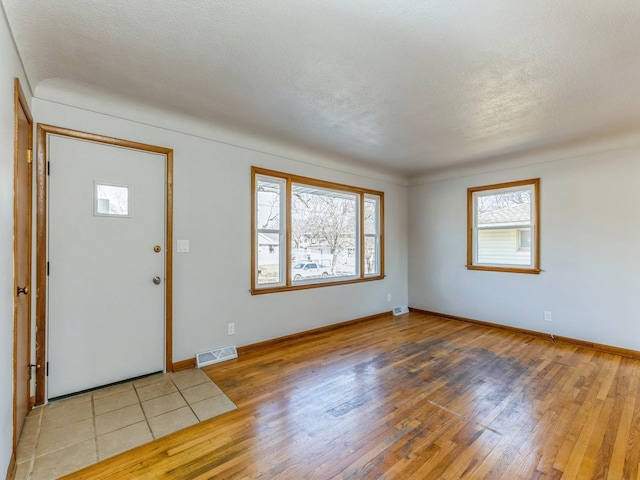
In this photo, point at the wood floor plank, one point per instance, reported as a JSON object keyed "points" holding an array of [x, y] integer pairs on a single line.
{"points": [[415, 396], [628, 386]]}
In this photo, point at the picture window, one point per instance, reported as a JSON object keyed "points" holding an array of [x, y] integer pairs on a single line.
{"points": [[309, 233]]}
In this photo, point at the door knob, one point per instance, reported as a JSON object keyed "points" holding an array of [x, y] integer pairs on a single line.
{"points": [[30, 366], [156, 280], [23, 290]]}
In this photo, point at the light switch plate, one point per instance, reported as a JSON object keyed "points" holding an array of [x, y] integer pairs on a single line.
{"points": [[183, 246]]}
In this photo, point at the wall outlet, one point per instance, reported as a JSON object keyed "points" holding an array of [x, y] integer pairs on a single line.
{"points": [[547, 316], [231, 328], [388, 297]]}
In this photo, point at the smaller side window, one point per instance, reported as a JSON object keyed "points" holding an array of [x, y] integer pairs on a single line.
{"points": [[504, 227]]}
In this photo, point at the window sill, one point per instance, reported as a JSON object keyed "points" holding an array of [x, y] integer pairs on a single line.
{"points": [[487, 268], [306, 286]]}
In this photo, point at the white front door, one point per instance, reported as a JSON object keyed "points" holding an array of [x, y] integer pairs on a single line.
{"points": [[106, 214]]}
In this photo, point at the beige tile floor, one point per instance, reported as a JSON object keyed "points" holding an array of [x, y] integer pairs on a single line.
{"points": [[70, 434]]}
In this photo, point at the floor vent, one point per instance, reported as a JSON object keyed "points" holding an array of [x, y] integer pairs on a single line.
{"points": [[215, 356], [400, 310]]}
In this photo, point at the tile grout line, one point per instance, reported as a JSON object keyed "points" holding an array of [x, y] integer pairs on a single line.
{"points": [[185, 400], [93, 409], [32, 460], [95, 427], [39, 431], [144, 413]]}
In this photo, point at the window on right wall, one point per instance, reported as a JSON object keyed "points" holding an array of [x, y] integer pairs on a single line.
{"points": [[503, 224]]}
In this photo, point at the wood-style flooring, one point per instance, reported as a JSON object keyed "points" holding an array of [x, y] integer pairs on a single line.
{"points": [[414, 396]]}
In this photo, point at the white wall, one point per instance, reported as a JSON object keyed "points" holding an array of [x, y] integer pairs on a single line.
{"points": [[11, 68], [212, 185], [590, 239]]}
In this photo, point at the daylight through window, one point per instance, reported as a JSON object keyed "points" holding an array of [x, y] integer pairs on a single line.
{"points": [[308, 232], [111, 200], [503, 226]]}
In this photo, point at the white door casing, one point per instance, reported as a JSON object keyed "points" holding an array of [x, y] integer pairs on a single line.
{"points": [[106, 318]]}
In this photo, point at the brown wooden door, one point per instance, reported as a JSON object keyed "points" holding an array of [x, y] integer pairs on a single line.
{"points": [[22, 264]]}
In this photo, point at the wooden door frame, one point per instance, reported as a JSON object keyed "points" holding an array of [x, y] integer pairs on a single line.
{"points": [[20, 103], [41, 240]]}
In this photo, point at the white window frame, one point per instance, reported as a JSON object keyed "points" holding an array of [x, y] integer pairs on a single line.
{"points": [[281, 231], [376, 236]]}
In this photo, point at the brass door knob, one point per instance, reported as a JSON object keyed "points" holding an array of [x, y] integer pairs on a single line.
{"points": [[23, 290]]}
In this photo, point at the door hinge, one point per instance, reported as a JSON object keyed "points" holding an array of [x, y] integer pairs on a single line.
{"points": [[48, 168], [29, 158], [47, 269], [47, 373]]}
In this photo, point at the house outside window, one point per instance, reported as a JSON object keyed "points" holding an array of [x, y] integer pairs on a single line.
{"points": [[308, 233], [503, 227], [524, 239]]}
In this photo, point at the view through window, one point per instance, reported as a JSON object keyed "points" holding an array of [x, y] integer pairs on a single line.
{"points": [[503, 227], [308, 232], [111, 200]]}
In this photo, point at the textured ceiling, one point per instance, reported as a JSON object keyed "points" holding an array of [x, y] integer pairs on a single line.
{"points": [[409, 86]]}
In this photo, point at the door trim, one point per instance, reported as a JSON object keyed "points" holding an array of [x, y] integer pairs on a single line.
{"points": [[20, 103], [41, 241]]}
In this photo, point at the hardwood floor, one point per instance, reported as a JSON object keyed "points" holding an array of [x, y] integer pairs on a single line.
{"points": [[415, 396]]}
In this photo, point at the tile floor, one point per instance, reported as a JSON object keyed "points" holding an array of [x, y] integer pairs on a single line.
{"points": [[70, 434]]}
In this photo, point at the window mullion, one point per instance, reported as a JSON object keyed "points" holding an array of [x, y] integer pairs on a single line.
{"points": [[361, 236], [287, 241], [254, 232]]}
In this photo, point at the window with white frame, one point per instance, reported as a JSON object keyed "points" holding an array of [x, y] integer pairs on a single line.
{"points": [[308, 232], [269, 209], [372, 230], [503, 227]]}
